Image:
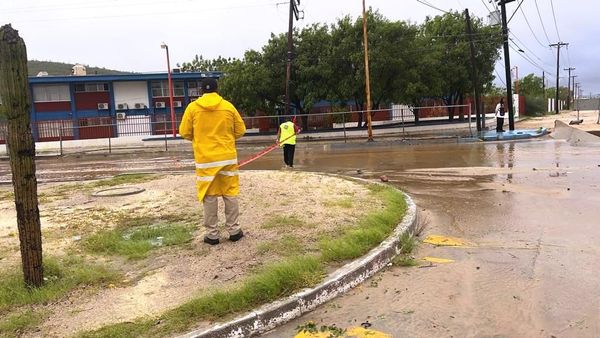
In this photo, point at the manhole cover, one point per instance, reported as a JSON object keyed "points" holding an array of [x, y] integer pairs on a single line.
{"points": [[121, 191]]}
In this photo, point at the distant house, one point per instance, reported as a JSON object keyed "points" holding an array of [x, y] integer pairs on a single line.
{"points": [[81, 106]]}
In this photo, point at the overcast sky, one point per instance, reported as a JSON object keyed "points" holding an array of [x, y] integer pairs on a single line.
{"points": [[127, 34]]}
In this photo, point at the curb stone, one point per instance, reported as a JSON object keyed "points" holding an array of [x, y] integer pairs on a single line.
{"points": [[347, 277]]}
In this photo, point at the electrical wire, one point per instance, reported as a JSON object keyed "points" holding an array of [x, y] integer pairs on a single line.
{"points": [[554, 17], [432, 6], [515, 12], [526, 58], [531, 29], [524, 45], [542, 22], [500, 77]]}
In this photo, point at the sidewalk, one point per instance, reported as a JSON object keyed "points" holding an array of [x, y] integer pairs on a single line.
{"points": [[528, 128]]}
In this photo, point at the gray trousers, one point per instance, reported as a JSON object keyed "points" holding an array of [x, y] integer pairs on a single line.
{"points": [[211, 217]]}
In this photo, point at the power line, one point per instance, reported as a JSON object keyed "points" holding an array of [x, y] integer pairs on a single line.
{"points": [[500, 78], [486, 6], [531, 29], [526, 58], [542, 21], [432, 6], [524, 45], [554, 17], [515, 12]]}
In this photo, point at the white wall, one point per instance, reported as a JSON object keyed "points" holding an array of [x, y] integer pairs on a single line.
{"points": [[131, 92]]}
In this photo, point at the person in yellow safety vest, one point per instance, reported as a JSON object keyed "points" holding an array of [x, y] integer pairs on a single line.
{"points": [[213, 124], [286, 137]]}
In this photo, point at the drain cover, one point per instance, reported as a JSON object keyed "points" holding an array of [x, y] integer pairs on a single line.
{"points": [[121, 191]]}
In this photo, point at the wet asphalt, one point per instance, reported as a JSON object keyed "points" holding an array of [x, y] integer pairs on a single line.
{"points": [[530, 211]]}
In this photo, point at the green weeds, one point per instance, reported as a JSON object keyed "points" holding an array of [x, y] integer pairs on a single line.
{"points": [[60, 275], [283, 222], [136, 242]]}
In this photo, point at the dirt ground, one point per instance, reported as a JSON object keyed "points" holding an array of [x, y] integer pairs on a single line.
{"points": [[315, 205]]}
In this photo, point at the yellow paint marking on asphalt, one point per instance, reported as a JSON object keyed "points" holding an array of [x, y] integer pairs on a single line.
{"points": [[360, 332], [437, 260], [445, 241], [354, 332]]}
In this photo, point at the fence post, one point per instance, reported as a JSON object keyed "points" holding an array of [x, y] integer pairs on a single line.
{"points": [[165, 132], [470, 130], [60, 139], [344, 124], [109, 138]]}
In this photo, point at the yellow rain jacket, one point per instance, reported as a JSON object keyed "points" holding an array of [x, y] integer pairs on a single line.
{"points": [[213, 124]]}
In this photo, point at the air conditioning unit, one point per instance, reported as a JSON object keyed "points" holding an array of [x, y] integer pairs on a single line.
{"points": [[159, 105], [177, 104], [121, 116], [102, 106], [140, 106], [122, 106]]}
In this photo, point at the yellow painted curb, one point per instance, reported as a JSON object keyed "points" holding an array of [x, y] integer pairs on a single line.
{"points": [[437, 260], [354, 332], [445, 240]]}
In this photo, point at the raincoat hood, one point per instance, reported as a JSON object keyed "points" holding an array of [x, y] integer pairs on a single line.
{"points": [[209, 101]]}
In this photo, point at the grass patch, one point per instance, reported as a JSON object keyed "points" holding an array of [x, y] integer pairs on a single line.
{"points": [[18, 323], [136, 242], [284, 221], [286, 246], [345, 203], [371, 230], [272, 282], [61, 276], [407, 244], [7, 195]]}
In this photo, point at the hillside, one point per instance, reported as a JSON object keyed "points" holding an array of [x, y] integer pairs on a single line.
{"points": [[59, 68]]}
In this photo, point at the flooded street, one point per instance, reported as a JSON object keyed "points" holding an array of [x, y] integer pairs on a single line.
{"points": [[529, 212]]}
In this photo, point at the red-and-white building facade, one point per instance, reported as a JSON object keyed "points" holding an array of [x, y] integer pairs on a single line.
{"points": [[99, 106]]}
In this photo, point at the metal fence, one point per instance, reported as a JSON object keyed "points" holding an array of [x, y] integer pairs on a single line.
{"points": [[107, 129]]}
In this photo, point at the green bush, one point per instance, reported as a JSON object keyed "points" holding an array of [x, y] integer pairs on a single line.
{"points": [[535, 106]]}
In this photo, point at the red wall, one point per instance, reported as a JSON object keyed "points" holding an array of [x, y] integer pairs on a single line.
{"points": [[89, 101], [52, 106]]}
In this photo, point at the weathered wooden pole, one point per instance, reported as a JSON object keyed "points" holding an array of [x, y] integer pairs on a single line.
{"points": [[15, 95]]}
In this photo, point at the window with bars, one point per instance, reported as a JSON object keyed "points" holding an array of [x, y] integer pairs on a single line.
{"points": [[91, 87], [194, 88], [51, 93], [161, 88]]}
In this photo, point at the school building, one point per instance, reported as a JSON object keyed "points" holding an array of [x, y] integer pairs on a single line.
{"points": [[82, 106]]}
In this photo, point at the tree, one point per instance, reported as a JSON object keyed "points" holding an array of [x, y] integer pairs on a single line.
{"points": [[531, 85], [199, 64], [452, 52], [14, 91]]}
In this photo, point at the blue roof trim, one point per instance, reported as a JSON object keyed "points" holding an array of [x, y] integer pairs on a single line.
{"points": [[121, 77]]}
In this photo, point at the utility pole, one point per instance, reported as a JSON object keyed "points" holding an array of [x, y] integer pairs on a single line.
{"points": [[474, 74], [367, 80], [509, 98], [544, 84], [557, 45], [573, 83], [569, 88], [290, 53]]}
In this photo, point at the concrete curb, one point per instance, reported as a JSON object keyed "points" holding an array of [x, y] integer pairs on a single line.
{"points": [[347, 277]]}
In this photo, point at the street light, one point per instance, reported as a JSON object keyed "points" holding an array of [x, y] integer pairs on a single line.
{"points": [[165, 47]]}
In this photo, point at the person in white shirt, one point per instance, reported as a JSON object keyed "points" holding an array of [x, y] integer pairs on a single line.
{"points": [[500, 112]]}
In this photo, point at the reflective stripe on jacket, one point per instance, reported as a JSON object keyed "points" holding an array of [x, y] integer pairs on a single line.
{"points": [[213, 124], [286, 130]]}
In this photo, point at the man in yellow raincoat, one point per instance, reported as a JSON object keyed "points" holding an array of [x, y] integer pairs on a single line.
{"points": [[213, 124]]}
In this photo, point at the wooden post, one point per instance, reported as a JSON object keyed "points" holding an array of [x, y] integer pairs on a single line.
{"points": [[14, 90], [367, 79]]}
